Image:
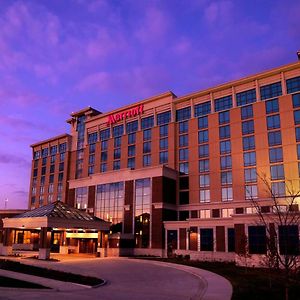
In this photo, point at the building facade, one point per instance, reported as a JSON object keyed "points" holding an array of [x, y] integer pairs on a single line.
{"points": [[179, 173]]}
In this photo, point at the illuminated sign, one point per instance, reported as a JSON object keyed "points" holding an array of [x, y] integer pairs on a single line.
{"points": [[138, 110]]}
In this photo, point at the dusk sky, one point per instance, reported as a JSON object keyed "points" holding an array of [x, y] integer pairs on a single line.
{"points": [[60, 56]]}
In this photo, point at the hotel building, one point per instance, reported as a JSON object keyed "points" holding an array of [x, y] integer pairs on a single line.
{"points": [[180, 173]]}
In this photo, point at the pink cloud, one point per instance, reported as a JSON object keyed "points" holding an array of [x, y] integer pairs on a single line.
{"points": [[99, 81], [218, 11]]}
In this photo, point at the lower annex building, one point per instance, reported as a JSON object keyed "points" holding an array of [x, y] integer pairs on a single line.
{"points": [[180, 173]]}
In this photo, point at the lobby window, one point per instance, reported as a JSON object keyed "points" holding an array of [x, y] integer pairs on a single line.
{"points": [[53, 150], [272, 106], [224, 132], [147, 123], [132, 127], [274, 138], [184, 127], [81, 197], [183, 140], [246, 97], [104, 145], [147, 147], [270, 91], [231, 239], [202, 109], [277, 172], [104, 156], [118, 130], [90, 170], [248, 127], [184, 197], [116, 165], [203, 151], [183, 154], [247, 112], [147, 160], [163, 157], [92, 138], [275, 155], [297, 117], [251, 192], [226, 162], [131, 138], [204, 196], [104, 134], [203, 136], [223, 103], [273, 122], [288, 239], [225, 147], [163, 130], [163, 118], [278, 188], [183, 114], [117, 153], [203, 122], [103, 167], [250, 175], [293, 85], [249, 159], [227, 194], [296, 100], [131, 163], [203, 165], [163, 144], [184, 168], [117, 142], [204, 180], [226, 178], [131, 150], [206, 239], [257, 239], [147, 134], [224, 117], [248, 143]]}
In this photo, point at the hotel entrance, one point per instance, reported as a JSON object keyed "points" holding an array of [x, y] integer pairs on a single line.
{"points": [[87, 245]]}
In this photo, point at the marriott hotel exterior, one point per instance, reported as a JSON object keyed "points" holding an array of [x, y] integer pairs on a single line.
{"points": [[178, 173]]}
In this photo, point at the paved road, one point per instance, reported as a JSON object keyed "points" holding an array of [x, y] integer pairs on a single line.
{"points": [[126, 279]]}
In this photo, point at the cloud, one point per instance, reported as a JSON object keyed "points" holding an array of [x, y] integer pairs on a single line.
{"points": [[12, 159], [218, 12]]}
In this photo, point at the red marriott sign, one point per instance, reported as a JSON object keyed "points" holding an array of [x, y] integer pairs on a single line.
{"points": [[138, 110]]}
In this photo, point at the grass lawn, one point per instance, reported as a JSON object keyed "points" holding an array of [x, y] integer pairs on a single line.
{"points": [[15, 283], [250, 283]]}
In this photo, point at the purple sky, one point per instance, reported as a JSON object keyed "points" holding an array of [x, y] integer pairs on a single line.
{"points": [[60, 56]]}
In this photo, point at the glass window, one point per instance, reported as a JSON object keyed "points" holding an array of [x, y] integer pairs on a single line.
{"points": [[248, 143], [164, 118], [44, 152], [183, 140], [278, 189], [203, 122], [146, 160], [131, 138], [224, 132], [105, 134], [116, 165], [226, 162], [163, 157], [202, 109], [92, 148], [227, 194], [62, 156], [203, 165], [225, 147], [204, 213], [274, 138], [131, 150], [223, 103], [293, 85], [147, 122], [297, 117], [118, 130], [204, 180], [270, 91], [249, 159], [60, 176], [248, 127], [275, 155], [247, 112], [53, 150], [183, 114], [117, 142], [297, 131], [91, 160], [288, 239], [183, 127], [251, 192], [203, 151], [226, 178], [44, 161], [51, 178], [183, 154], [92, 138], [273, 122], [203, 136], [296, 100], [147, 134], [277, 172], [103, 167], [230, 238], [147, 147], [131, 163], [104, 156], [163, 130], [272, 106], [52, 168], [104, 145], [184, 168], [132, 127], [36, 154], [257, 239], [43, 170], [117, 153], [163, 144], [246, 97], [91, 170], [204, 196], [250, 175], [224, 117], [298, 152]]}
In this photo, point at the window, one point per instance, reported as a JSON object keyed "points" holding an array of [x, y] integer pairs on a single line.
{"points": [[103, 167], [131, 163], [117, 142], [183, 140], [227, 212], [204, 180], [131, 150], [35, 172], [92, 148], [250, 175], [297, 131], [163, 118], [184, 183], [224, 132], [36, 154], [60, 176], [163, 157], [227, 194], [184, 197], [204, 196], [91, 159], [278, 189], [223, 103], [104, 145], [226, 162], [163, 130], [203, 151], [247, 112], [43, 170], [274, 138], [251, 192], [163, 144], [272, 106], [51, 188], [203, 165], [277, 172], [202, 122], [293, 85], [147, 147], [44, 152], [270, 91], [184, 168], [104, 156], [92, 138], [183, 127], [202, 109], [273, 122], [147, 122], [52, 168], [248, 143], [203, 136], [131, 138], [51, 178], [296, 100], [257, 239], [146, 160], [246, 97], [249, 159], [62, 156], [224, 117], [226, 178], [297, 117], [288, 239], [116, 165], [53, 150], [248, 127], [105, 134], [206, 239], [183, 114], [118, 130], [147, 135], [204, 213], [298, 152], [44, 161], [117, 153], [225, 147], [183, 154], [231, 239], [132, 127], [90, 170], [183, 215]]}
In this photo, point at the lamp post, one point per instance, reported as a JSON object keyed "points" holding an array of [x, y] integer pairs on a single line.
{"points": [[5, 203]]}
